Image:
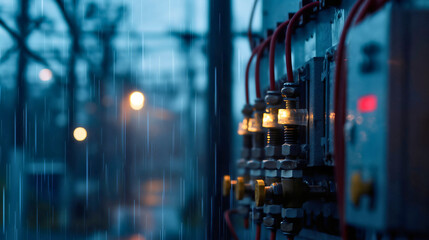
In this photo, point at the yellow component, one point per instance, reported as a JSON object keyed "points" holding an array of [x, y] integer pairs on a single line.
{"points": [[226, 185], [359, 188], [239, 188], [259, 193]]}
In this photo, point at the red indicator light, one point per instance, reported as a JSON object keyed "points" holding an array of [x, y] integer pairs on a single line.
{"points": [[367, 103]]}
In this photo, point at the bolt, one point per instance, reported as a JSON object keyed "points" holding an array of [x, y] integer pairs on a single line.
{"points": [[292, 213], [269, 221], [290, 92], [291, 174], [291, 149], [269, 164], [289, 227]]}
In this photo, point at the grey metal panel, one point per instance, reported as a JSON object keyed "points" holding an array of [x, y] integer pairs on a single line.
{"points": [[366, 133], [390, 144], [272, 15], [416, 128], [313, 70]]}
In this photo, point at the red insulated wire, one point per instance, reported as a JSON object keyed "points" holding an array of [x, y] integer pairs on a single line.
{"points": [[369, 7], [278, 30], [261, 49], [292, 23], [246, 223], [365, 9], [339, 109], [273, 234], [254, 52], [258, 231], [226, 214]]}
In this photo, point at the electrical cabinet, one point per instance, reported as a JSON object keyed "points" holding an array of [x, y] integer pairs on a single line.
{"points": [[386, 132]]}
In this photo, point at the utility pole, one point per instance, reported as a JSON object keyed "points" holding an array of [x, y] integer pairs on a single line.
{"points": [[219, 114]]}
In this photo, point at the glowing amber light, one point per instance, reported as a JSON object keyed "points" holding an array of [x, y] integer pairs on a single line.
{"points": [[136, 100], [242, 127], [45, 74], [79, 134], [293, 116], [253, 125], [269, 120]]}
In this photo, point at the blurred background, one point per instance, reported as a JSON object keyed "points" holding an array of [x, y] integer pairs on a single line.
{"points": [[115, 116]]}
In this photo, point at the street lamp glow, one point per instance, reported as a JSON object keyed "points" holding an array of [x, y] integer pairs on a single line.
{"points": [[45, 74], [136, 100], [79, 134]]}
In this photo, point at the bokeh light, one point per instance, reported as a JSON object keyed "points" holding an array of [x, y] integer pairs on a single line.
{"points": [[45, 75], [79, 134], [136, 100]]}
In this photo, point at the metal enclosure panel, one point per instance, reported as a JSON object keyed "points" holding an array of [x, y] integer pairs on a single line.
{"points": [[271, 17], [388, 145], [312, 74], [366, 132], [328, 78], [416, 127]]}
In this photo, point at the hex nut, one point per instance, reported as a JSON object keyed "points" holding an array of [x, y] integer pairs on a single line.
{"points": [[245, 152], [242, 163], [258, 153], [291, 149], [256, 173], [273, 151], [289, 164], [289, 227], [269, 164], [291, 174], [292, 213], [272, 209], [269, 221], [257, 215], [253, 164], [271, 173]]}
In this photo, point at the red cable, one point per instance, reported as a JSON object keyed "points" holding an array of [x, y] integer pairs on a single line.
{"points": [[273, 234], [292, 23], [255, 50], [279, 29], [364, 11], [246, 223], [261, 49], [369, 7], [339, 109], [258, 231], [229, 224]]}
